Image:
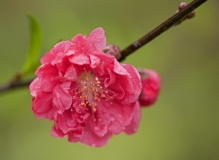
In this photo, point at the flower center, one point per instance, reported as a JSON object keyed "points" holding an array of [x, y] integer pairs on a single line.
{"points": [[90, 91]]}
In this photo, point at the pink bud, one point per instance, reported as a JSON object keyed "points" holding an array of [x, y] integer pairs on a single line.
{"points": [[182, 5], [151, 84], [191, 15], [113, 50]]}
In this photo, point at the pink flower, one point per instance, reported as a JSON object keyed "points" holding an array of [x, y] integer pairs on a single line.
{"points": [[89, 94], [151, 84]]}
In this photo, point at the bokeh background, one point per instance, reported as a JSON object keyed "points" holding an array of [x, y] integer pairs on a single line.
{"points": [[182, 125]]}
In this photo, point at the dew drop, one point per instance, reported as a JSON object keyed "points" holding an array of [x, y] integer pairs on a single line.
{"points": [[112, 118], [101, 134], [96, 128], [93, 145], [120, 115]]}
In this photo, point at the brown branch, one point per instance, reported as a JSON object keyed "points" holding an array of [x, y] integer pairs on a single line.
{"points": [[160, 29], [16, 83], [11, 85]]}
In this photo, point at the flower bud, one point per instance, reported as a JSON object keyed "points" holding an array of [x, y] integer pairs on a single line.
{"points": [[113, 50], [191, 15], [151, 84]]}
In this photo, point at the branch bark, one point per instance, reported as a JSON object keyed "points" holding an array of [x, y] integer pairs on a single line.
{"points": [[160, 29]]}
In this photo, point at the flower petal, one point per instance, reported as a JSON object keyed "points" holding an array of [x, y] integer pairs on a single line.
{"points": [[62, 100], [111, 79], [42, 104], [98, 39], [71, 73], [66, 122], [91, 139], [119, 69], [133, 126], [57, 53], [133, 89], [79, 59], [56, 132], [95, 61], [34, 87], [120, 117]]}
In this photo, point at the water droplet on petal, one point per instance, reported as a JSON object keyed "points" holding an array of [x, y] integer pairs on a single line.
{"points": [[112, 118], [93, 145], [96, 128], [101, 134]]}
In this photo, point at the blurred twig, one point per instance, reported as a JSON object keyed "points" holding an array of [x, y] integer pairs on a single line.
{"points": [[161, 28], [16, 83], [12, 85]]}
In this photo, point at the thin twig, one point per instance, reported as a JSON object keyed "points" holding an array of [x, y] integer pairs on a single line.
{"points": [[160, 29], [11, 86], [132, 47]]}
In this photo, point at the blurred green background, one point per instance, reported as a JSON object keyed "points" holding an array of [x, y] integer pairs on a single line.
{"points": [[182, 125]]}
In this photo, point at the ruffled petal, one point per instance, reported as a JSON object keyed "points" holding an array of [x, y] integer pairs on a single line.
{"points": [[95, 61], [133, 126], [71, 73], [120, 117], [97, 39], [57, 53], [66, 122], [91, 139], [34, 87], [62, 100], [134, 88], [56, 132], [79, 59], [119, 69], [42, 105]]}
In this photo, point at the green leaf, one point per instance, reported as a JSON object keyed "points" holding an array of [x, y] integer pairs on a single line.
{"points": [[32, 59]]}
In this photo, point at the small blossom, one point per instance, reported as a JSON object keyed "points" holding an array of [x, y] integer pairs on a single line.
{"points": [[88, 94], [151, 84], [191, 15], [181, 6], [113, 50]]}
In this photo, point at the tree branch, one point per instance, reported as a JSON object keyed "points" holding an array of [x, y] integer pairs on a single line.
{"points": [[16, 83], [160, 29], [11, 85]]}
